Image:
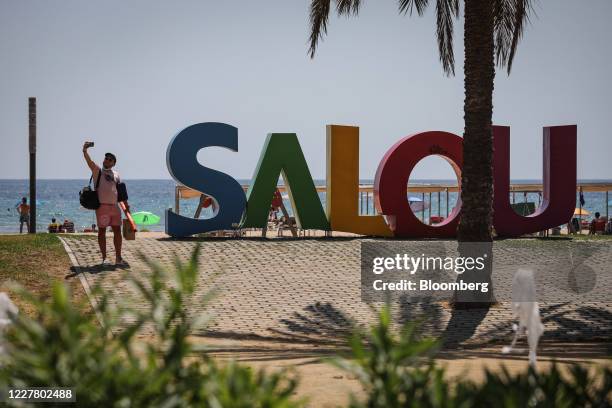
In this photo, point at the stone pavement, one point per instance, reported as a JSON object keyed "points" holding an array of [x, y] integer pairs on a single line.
{"points": [[308, 290]]}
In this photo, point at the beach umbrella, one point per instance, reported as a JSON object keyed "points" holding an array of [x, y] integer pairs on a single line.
{"points": [[417, 204], [581, 212], [145, 218]]}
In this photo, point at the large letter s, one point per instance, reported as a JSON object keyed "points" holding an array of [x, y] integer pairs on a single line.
{"points": [[184, 168]]}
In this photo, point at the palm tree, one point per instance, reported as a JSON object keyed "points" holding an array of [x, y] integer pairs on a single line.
{"points": [[492, 31]]}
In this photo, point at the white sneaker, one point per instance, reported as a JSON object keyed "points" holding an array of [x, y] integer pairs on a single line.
{"points": [[105, 263]]}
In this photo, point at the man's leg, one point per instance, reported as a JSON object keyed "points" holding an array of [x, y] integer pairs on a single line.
{"points": [[27, 226], [117, 242], [102, 241], [21, 227]]}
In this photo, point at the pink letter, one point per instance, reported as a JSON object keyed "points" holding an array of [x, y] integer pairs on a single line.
{"points": [[559, 196], [392, 176]]}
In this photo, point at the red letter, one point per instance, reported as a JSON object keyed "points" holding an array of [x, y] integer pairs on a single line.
{"points": [[559, 197], [392, 180]]}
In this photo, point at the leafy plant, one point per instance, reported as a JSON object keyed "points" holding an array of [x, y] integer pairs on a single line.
{"points": [[108, 365], [398, 371], [395, 370], [551, 388]]}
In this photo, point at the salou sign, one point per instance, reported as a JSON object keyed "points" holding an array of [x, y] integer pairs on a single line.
{"points": [[282, 155]]}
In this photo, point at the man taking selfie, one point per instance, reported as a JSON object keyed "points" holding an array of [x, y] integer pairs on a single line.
{"points": [[108, 215]]}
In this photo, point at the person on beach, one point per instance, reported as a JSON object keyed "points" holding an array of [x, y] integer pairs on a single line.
{"points": [[108, 215], [67, 226], [597, 221], [91, 229], [54, 227], [24, 214]]}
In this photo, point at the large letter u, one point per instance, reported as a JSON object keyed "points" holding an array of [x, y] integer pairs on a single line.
{"points": [[559, 182]]}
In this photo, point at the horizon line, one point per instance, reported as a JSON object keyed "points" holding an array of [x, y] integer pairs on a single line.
{"points": [[314, 179]]}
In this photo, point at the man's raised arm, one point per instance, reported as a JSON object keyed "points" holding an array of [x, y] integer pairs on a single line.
{"points": [[93, 166]]}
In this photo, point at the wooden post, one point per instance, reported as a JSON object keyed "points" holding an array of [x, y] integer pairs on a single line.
{"points": [[429, 212], [423, 213], [439, 215], [177, 201], [32, 149], [198, 210], [580, 208], [607, 215], [447, 205], [360, 202]]}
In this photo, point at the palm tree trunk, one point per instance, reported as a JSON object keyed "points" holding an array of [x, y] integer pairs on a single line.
{"points": [[477, 176]]}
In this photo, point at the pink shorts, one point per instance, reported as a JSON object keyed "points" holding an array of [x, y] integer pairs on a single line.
{"points": [[108, 215]]}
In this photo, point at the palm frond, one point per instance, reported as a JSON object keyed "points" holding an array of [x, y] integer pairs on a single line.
{"points": [[521, 18], [502, 29], [446, 10], [347, 7], [408, 6], [511, 17], [319, 15]]}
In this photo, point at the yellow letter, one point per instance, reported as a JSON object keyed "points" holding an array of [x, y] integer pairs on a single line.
{"points": [[343, 185]]}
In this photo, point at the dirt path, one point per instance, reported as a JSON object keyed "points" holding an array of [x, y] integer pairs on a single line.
{"points": [[327, 386]]}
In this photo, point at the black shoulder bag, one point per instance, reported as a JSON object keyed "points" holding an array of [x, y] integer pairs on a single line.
{"points": [[88, 197], [122, 194]]}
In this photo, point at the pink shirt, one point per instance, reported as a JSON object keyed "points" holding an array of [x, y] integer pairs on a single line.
{"points": [[107, 190]]}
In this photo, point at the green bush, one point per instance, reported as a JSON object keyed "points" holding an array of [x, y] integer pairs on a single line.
{"points": [[539, 389], [395, 371], [63, 347], [398, 371], [109, 366]]}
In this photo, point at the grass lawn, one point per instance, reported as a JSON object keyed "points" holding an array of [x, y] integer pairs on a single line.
{"points": [[34, 261]]}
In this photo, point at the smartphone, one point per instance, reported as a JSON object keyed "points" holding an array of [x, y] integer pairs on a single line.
{"points": [[90, 144]]}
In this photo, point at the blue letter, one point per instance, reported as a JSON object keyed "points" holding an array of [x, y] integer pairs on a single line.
{"points": [[184, 168]]}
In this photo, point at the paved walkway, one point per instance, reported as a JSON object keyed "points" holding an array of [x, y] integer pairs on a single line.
{"points": [[308, 290]]}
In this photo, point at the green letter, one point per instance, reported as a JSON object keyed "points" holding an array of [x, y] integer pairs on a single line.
{"points": [[282, 153]]}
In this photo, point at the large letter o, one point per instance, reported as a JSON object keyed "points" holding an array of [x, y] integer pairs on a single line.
{"points": [[392, 179]]}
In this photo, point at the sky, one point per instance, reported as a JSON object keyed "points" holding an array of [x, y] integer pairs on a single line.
{"points": [[130, 75]]}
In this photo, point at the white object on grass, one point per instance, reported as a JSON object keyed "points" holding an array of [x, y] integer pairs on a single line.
{"points": [[526, 309], [7, 309]]}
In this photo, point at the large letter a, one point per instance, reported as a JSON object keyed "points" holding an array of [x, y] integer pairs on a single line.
{"points": [[282, 154]]}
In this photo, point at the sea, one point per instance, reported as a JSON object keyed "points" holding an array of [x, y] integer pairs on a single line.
{"points": [[59, 199]]}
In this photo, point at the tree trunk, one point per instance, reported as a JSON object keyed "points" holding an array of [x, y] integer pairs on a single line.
{"points": [[477, 175]]}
